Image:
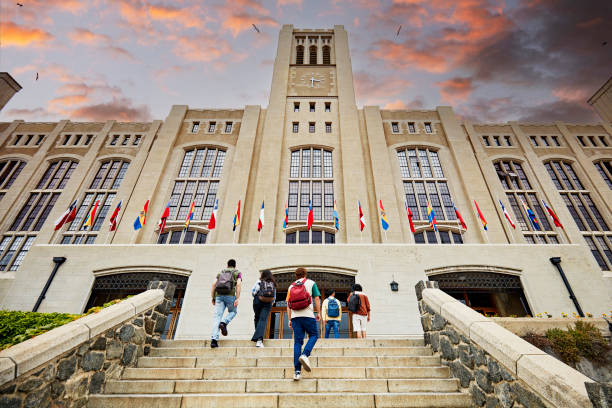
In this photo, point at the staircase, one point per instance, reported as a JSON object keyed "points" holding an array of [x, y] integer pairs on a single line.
{"points": [[345, 373]]}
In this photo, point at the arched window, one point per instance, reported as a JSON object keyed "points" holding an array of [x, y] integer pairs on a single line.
{"points": [[441, 236], [102, 190], [424, 182], [589, 220], [311, 179], [299, 54], [326, 55], [9, 170], [197, 181], [314, 236], [312, 50], [180, 236], [520, 191], [605, 169], [30, 219]]}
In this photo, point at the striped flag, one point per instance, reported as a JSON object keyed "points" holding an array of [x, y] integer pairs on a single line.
{"points": [[92, 216], [336, 218], [507, 215], [532, 217], [310, 215], [362, 223], [142, 217], [161, 225], [67, 216], [286, 220], [213, 217], [383, 217], [459, 217], [553, 215], [482, 218], [113, 218], [431, 215], [409, 216], [237, 217], [260, 224]]}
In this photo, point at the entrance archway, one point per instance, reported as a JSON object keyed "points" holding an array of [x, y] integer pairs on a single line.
{"points": [[342, 283], [490, 293], [121, 285]]}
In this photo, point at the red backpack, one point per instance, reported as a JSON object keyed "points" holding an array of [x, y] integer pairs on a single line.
{"points": [[299, 298]]}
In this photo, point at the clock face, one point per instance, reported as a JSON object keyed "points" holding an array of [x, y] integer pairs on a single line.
{"points": [[312, 80]]}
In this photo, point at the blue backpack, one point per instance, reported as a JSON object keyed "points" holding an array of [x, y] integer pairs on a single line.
{"points": [[333, 309]]}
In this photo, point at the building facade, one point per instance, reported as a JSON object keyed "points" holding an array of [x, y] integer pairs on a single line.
{"points": [[311, 145]]}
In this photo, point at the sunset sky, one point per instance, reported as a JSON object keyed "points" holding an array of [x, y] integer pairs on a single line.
{"points": [[130, 60]]}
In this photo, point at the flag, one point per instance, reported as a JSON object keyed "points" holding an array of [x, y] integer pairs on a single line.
{"points": [[459, 217], [161, 225], [286, 221], [409, 216], [532, 217], [237, 217], [142, 217], [189, 215], [383, 217], [213, 217], [67, 216], [361, 217], [260, 224], [482, 218], [431, 215], [507, 215], [113, 218], [310, 215], [92, 216], [336, 219], [553, 215]]}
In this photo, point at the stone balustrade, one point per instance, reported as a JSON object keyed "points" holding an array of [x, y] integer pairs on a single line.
{"points": [[63, 366], [498, 367]]}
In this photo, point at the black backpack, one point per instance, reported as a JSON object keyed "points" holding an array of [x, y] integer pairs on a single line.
{"points": [[225, 282], [354, 303], [266, 292]]}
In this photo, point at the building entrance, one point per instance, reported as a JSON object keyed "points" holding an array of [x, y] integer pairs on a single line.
{"points": [[278, 322], [119, 286]]}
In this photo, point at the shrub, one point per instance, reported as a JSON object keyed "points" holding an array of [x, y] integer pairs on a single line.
{"points": [[584, 339]]}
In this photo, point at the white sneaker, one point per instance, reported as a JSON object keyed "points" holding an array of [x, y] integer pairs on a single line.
{"points": [[259, 343], [305, 362], [297, 376]]}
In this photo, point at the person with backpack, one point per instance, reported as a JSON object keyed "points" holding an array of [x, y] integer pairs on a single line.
{"points": [[332, 314], [359, 304], [264, 294], [302, 318], [225, 293]]}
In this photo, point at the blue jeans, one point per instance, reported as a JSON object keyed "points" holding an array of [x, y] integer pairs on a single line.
{"points": [[222, 302], [332, 324], [301, 326]]}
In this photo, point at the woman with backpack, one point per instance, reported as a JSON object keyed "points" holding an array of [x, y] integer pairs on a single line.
{"points": [[264, 294]]}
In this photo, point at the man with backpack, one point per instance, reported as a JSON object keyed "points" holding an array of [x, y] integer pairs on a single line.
{"points": [[225, 293], [359, 304], [264, 294], [302, 318], [332, 314]]}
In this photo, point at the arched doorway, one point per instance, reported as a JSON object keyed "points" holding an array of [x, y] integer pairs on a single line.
{"points": [[121, 285], [278, 322], [492, 294]]}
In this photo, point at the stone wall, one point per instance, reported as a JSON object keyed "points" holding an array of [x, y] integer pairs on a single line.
{"points": [[62, 367], [497, 367]]}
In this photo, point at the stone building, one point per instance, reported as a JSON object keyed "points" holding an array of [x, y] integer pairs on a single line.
{"points": [[311, 144]]}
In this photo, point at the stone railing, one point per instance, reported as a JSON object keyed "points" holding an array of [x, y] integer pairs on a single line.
{"points": [[63, 366], [539, 325], [496, 366]]}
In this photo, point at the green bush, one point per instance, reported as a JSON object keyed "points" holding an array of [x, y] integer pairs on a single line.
{"points": [[582, 340]]}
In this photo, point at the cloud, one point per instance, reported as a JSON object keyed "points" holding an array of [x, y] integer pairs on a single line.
{"points": [[202, 49], [236, 23], [84, 36], [288, 2], [399, 104], [118, 52], [35, 113], [455, 89], [186, 17], [14, 35], [121, 109], [370, 89], [406, 55], [62, 104]]}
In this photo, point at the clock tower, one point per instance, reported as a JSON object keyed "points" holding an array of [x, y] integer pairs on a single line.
{"points": [[312, 106]]}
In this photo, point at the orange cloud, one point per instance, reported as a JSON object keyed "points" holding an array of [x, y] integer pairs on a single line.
{"points": [[84, 36], [395, 105], [287, 2], [185, 17], [572, 94], [195, 49], [405, 55], [455, 89], [236, 23], [371, 90], [119, 109], [62, 104], [20, 36]]}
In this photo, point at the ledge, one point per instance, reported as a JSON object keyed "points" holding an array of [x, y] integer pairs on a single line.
{"points": [[539, 325]]}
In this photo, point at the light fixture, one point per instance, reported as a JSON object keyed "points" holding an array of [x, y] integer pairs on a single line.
{"points": [[394, 285]]}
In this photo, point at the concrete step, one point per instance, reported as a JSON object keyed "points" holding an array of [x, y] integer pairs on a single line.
{"points": [[410, 342], [289, 400], [288, 351], [279, 386], [369, 372], [207, 362]]}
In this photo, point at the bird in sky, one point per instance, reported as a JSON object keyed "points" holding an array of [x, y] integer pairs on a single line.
{"points": [[37, 76], [256, 29], [603, 44], [20, 5], [398, 31]]}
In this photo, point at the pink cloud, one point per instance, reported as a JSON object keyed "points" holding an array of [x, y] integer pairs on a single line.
{"points": [[84, 36], [185, 16], [376, 90], [236, 23], [572, 94], [14, 35], [455, 89], [119, 109]]}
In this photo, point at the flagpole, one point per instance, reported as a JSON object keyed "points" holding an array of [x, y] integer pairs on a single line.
{"points": [[385, 235], [259, 237]]}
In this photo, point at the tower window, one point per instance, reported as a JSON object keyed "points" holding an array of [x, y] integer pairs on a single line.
{"points": [[77, 139], [508, 141], [28, 140], [485, 139], [311, 127], [40, 139], [555, 139], [394, 127], [497, 142], [312, 106], [66, 139], [326, 55], [592, 140], [545, 140], [428, 127], [534, 141], [328, 108], [296, 106], [228, 127], [602, 138], [211, 127], [88, 140], [195, 127], [17, 139], [313, 54], [411, 127], [115, 140], [581, 140], [327, 127], [296, 127], [137, 140], [299, 54], [126, 139]]}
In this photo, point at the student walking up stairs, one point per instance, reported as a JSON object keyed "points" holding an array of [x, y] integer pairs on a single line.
{"points": [[345, 372]]}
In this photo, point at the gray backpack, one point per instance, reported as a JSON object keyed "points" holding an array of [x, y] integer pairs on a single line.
{"points": [[225, 282]]}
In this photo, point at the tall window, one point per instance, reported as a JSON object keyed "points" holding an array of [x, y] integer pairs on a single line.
{"points": [[9, 170], [103, 189], [30, 219], [299, 54], [605, 169], [441, 236], [197, 181], [312, 50], [315, 236], [583, 210], [424, 182], [326, 55], [180, 236], [311, 179], [518, 191]]}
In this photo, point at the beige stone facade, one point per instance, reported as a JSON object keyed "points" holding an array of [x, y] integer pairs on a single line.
{"points": [[602, 101], [311, 143]]}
